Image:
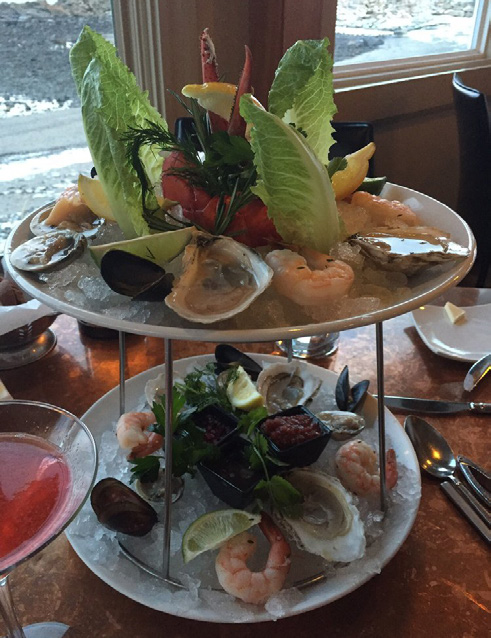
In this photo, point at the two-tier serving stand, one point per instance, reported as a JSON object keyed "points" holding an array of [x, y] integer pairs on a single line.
{"points": [[437, 215]]}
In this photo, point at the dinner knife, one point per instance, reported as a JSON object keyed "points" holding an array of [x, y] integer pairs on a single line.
{"points": [[460, 502], [431, 406]]}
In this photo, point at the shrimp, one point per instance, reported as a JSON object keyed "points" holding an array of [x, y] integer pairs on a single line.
{"points": [[132, 432], [383, 212], [309, 280], [237, 579], [357, 467]]}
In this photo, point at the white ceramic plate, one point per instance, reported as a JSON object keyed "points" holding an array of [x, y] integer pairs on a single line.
{"points": [[215, 606], [469, 340], [72, 296]]}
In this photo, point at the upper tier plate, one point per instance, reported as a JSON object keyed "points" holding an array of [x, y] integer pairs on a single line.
{"points": [[80, 292]]}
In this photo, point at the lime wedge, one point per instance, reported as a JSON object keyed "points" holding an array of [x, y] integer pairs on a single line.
{"points": [[211, 530], [242, 392], [159, 248]]}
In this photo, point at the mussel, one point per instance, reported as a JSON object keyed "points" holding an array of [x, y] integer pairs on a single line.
{"points": [[227, 356], [120, 509], [349, 399], [135, 276]]}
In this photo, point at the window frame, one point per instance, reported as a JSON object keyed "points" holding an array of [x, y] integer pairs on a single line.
{"points": [[348, 76]]}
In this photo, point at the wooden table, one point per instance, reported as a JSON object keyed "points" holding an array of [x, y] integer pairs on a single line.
{"points": [[437, 585]]}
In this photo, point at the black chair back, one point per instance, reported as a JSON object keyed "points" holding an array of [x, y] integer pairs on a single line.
{"points": [[474, 196]]}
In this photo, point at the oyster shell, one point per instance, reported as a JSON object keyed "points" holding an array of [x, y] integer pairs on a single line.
{"points": [[285, 385], [330, 525], [343, 424], [408, 250], [47, 251], [88, 227], [220, 278]]}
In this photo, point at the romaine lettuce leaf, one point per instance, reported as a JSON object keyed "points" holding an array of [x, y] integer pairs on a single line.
{"points": [[112, 102], [292, 182], [302, 93]]}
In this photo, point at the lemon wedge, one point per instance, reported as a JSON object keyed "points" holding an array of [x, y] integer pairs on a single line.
{"points": [[214, 528], [347, 181], [242, 392], [94, 197], [217, 97]]}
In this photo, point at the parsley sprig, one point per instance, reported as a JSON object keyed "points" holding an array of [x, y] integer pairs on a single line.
{"points": [[274, 489]]}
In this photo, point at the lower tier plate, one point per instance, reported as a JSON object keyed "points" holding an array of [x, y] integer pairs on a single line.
{"points": [[98, 548]]}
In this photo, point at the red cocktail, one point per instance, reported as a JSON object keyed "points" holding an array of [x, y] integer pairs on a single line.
{"points": [[48, 461]]}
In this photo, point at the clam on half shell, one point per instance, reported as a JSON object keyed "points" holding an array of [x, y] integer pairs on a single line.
{"points": [[330, 525], [219, 279], [285, 385], [408, 250]]}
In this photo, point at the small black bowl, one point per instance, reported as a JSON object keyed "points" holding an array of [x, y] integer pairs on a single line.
{"points": [[230, 477], [218, 425], [304, 453]]}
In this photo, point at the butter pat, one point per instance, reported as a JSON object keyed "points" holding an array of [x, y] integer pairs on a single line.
{"points": [[454, 313], [4, 393]]}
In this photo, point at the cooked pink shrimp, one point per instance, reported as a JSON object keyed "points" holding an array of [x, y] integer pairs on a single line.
{"points": [[132, 432], [357, 468], [309, 280], [383, 212], [237, 579]]}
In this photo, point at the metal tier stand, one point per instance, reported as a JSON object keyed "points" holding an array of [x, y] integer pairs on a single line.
{"points": [[164, 574]]}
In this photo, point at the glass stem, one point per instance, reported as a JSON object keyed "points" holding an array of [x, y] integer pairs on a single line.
{"points": [[14, 630]]}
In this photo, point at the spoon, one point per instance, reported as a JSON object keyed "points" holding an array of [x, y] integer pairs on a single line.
{"points": [[477, 372], [436, 458]]}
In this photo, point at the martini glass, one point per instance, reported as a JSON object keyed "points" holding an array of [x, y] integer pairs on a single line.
{"points": [[48, 461]]}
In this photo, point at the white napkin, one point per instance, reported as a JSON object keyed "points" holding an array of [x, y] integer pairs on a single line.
{"points": [[12, 317]]}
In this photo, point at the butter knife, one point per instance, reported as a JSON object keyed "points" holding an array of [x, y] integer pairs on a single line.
{"points": [[477, 372], [476, 477], [431, 406], [460, 502]]}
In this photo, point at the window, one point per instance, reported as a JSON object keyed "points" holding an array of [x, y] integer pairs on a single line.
{"points": [[383, 40], [43, 147]]}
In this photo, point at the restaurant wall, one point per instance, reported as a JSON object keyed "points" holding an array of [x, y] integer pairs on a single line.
{"points": [[415, 129]]}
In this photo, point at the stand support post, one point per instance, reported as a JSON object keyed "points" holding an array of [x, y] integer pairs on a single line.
{"points": [[168, 382], [381, 413], [122, 366]]}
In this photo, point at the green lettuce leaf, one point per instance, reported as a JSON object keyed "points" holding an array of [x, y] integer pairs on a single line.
{"points": [[302, 93], [292, 182], [112, 102]]}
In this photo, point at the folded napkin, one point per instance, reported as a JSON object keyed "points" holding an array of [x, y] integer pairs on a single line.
{"points": [[15, 310]]}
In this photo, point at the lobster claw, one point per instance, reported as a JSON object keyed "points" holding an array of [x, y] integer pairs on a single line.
{"points": [[237, 124]]}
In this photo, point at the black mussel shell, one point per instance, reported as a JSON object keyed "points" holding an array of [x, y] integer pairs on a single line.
{"points": [[358, 394], [120, 509], [349, 399], [227, 356], [135, 277]]}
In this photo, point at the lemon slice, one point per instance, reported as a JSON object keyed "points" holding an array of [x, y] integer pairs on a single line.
{"points": [[211, 530], [217, 97], [242, 392], [94, 197], [347, 181]]}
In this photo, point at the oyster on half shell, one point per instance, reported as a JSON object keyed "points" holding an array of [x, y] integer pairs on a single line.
{"points": [[47, 251], [330, 525], [285, 385], [408, 250], [343, 424], [219, 279]]}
